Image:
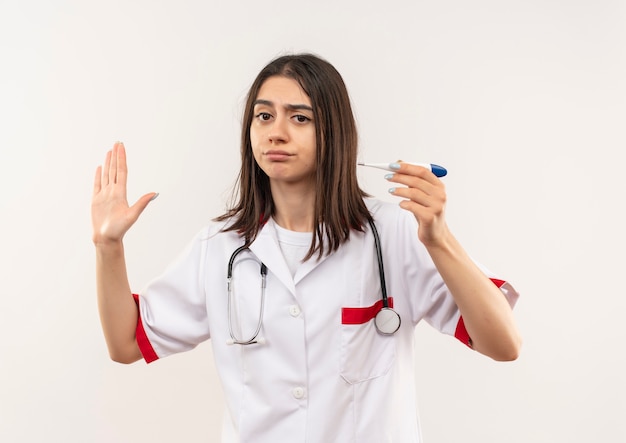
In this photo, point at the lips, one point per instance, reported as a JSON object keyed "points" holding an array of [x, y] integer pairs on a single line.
{"points": [[277, 155]]}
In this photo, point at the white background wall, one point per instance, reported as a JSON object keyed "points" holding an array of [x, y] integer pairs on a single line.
{"points": [[523, 101]]}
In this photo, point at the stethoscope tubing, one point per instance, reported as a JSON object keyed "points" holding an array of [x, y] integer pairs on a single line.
{"points": [[253, 337], [387, 321], [381, 267]]}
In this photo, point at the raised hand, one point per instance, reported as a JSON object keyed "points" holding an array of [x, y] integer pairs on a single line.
{"points": [[111, 215], [425, 197]]}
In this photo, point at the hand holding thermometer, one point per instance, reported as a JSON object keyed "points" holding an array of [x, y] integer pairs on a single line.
{"points": [[439, 171]]}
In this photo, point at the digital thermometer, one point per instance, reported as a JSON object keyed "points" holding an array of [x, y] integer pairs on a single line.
{"points": [[439, 171]]}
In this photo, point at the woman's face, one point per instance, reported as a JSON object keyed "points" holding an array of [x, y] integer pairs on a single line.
{"points": [[282, 132]]}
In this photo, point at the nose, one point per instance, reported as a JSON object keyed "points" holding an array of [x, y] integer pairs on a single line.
{"points": [[278, 131]]}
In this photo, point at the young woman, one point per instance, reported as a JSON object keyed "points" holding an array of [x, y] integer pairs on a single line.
{"points": [[290, 284]]}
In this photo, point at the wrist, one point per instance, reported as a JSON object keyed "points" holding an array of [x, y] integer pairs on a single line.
{"points": [[440, 239], [108, 246]]}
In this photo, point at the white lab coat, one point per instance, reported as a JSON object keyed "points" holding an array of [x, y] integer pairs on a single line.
{"points": [[313, 380]]}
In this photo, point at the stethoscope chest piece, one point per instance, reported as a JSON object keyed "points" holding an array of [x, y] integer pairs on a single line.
{"points": [[387, 321]]}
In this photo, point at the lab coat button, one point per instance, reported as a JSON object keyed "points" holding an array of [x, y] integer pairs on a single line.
{"points": [[294, 310], [298, 392]]}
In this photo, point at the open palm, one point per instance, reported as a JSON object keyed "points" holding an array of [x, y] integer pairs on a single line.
{"points": [[111, 215]]}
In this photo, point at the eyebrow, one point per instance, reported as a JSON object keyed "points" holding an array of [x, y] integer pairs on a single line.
{"points": [[291, 107]]}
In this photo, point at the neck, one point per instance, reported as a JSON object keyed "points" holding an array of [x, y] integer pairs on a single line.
{"points": [[294, 206]]}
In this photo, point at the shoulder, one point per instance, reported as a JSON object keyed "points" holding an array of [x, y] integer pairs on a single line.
{"points": [[214, 233], [397, 229], [390, 215]]}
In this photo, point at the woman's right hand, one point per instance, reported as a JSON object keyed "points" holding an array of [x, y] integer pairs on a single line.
{"points": [[111, 216]]}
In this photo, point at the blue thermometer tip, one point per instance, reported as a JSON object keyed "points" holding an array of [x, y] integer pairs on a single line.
{"points": [[439, 171]]}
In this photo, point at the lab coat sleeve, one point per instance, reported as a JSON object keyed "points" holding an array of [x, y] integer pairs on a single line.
{"points": [[430, 299], [445, 316], [172, 308]]}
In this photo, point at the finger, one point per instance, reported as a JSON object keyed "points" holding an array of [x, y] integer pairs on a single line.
{"points": [[413, 182], [425, 215], [113, 164], [426, 218], [105, 169], [418, 210], [414, 195], [97, 181], [141, 204], [417, 171], [122, 170]]}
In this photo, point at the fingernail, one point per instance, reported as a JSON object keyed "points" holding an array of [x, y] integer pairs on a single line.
{"points": [[389, 176], [392, 190], [394, 165], [154, 196]]}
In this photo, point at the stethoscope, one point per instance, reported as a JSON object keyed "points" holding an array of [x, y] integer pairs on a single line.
{"points": [[387, 321]]}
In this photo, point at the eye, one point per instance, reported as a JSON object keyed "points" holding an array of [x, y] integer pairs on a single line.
{"points": [[264, 116], [301, 118]]}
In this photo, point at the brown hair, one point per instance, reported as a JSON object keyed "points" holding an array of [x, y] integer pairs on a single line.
{"points": [[339, 205]]}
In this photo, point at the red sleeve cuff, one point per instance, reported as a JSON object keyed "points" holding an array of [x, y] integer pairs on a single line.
{"points": [[461, 333], [142, 339]]}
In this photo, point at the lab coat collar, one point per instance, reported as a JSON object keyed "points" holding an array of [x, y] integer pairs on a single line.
{"points": [[308, 266], [267, 249]]}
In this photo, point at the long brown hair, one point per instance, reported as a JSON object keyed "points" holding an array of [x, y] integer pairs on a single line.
{"points": [[339, 205]]}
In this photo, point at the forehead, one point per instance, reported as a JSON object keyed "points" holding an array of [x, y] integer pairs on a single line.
{"points": [[282, 90]]}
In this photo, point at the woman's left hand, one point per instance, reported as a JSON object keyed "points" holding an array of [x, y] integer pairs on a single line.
{"points": [[425, 197]]}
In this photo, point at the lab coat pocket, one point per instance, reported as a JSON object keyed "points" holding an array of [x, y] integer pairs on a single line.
{"points": [[365, 353]]}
